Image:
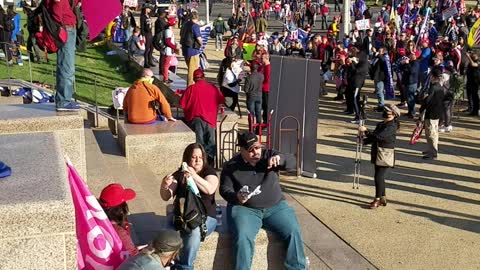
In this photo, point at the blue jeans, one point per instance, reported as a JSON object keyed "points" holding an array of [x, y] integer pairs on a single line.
{"points": [[191, 244], [245, 223], [219, 41], [380, 91], [254, 106], [66, 69], [410, 93]]}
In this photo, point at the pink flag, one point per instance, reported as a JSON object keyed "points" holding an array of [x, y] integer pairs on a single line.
{"points": [[99, 13], [98, 245]]}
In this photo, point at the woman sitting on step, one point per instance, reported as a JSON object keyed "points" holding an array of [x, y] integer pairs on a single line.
{"points": [[203, 181]]}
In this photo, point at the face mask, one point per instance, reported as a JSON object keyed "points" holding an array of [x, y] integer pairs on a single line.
{"points": [[149, 80]]}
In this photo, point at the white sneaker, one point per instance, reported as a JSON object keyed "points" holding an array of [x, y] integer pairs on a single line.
{"points": [[449, 128], [216, 50], [442, 130]]}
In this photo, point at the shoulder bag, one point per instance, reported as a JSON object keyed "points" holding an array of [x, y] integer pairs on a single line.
{"points": [[385, 157]]}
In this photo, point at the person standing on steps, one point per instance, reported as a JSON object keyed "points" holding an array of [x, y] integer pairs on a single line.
{"points": [[146, 31], [220, 27], [61, 11], [191, 41], [383, 150]]}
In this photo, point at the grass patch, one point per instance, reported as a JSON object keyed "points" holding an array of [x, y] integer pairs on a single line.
{"points": [[93, 65], [108, 71]]}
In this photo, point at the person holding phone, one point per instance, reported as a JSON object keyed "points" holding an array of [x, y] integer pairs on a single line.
{"points": [[249, 182], [206, 180]]}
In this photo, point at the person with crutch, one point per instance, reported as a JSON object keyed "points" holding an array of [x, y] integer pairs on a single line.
{"points": [[383, 150]]}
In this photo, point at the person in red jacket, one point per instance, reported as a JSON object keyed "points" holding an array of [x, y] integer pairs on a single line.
{"points": [[265, 69], [62, 12], [113, 200], [200, 106]]}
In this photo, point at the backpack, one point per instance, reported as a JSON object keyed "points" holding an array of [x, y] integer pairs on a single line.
{"points": [[189, 211], [158, 41], [53, 36], [219, 27], [187, 39], [82, 30], [8, 26]]}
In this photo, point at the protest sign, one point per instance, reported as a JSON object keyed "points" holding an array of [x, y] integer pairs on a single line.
{"points": [[362, 24], [449, 12]]}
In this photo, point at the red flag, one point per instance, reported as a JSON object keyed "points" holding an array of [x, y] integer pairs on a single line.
{"points": [[99, 13]]}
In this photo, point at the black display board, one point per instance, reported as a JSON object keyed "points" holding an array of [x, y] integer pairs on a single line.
{"points": [[294, 91]]}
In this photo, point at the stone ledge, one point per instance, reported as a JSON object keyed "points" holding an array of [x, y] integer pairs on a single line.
{"points": [[35, 199], [39, 118], [159, 146], [11, 100]]}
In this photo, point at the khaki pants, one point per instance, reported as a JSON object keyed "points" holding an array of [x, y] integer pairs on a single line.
{"points": [[431, 132], [192, 65]]}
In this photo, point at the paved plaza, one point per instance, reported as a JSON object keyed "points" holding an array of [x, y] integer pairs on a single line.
{"points": [[431, 221]]}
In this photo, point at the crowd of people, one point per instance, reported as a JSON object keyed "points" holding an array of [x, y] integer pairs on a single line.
{"points": [[409, 50]]}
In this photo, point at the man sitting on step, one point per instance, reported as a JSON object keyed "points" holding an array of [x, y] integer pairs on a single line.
{"points": [[144, 99], [250, 184]]}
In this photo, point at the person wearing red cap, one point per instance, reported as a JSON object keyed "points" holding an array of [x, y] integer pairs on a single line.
{"points": [[200, 106], [113, 200], [169, 51]]}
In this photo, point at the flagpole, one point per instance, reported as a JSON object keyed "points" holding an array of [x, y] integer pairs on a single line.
{"points": [[346, 17], [207, 2]]}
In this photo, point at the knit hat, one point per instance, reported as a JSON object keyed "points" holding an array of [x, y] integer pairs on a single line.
{"points": [[392, 108], [167, 241]]}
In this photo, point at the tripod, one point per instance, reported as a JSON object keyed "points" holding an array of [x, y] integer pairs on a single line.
{"points": [[359, 150]]}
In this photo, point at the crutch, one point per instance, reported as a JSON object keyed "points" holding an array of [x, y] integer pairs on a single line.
{"points": [[358, 157], [359, 150]]}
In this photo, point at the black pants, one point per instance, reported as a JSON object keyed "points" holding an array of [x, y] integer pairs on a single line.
{"points": [[265, 107], [380, 181], [324, 22], [446, 119], [148, 56], [34, 51], [205, 135], [229, 93], [352, 96]]}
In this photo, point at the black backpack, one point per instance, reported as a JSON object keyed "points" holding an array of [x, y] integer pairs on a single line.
{"points": [[189, 211], [187, 39], [82, 29], [8, 26], [159, 41]]}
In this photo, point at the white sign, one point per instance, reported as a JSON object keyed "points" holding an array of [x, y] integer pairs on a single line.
{"points": [[362, 24], [130, 3], [449, 12]]}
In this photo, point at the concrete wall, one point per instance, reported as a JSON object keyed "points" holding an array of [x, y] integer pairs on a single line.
{"points": [[37, 228]]}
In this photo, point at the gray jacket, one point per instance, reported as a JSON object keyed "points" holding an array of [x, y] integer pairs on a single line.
{"points": [[253, 85]]}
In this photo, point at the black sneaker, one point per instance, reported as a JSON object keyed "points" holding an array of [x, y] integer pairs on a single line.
{"points": [[72, 107], [379, 109], [427, 157], [168, 81]]}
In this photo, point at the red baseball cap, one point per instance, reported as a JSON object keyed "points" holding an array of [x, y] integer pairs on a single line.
{"points": [[198, 73], [115, 194]]}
